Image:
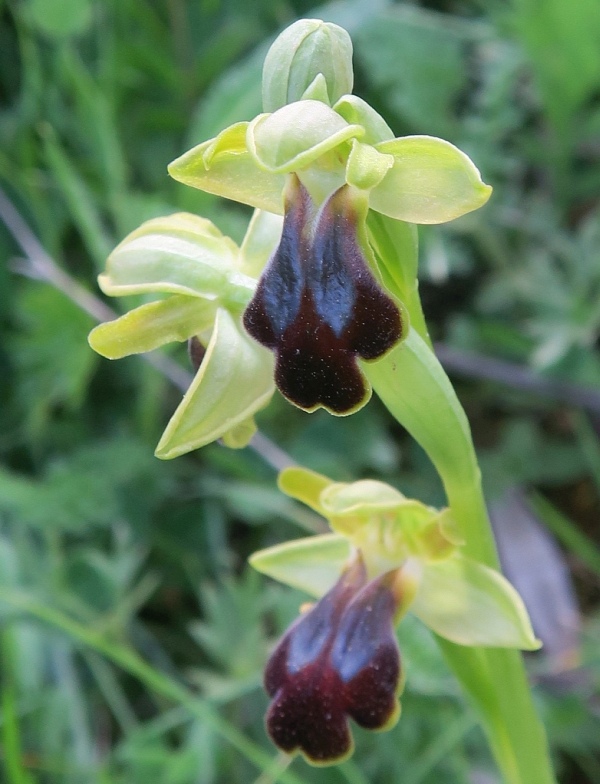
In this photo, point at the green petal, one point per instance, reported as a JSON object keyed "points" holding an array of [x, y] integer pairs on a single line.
{"points": [[224, 167], [470, 604], [261, 240], [358, 112], [366, 167], [304, 485], [313, 564], [431, 181], [181, 253], [240, 435], [235, 380], [150, 326], [297, 134]]}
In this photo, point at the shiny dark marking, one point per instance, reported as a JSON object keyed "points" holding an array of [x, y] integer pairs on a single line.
{"points": [[196, 352], [340, 660], [319, 307]]}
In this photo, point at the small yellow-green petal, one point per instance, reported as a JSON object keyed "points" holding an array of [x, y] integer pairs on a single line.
{"points": [[313, 564], [297, 134], [235, 380], [431, 181], [358, 112], [176, 318], [304, 485], [366, 167], [470, 604], [224, 167], [180, 254], [240, 435]]}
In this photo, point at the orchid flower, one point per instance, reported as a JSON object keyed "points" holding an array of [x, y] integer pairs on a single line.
{"points": [[326, 160], [387, 555], [327, 304]]}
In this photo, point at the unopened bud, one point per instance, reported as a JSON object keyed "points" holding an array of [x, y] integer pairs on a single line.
{"points": [[310, 59]]}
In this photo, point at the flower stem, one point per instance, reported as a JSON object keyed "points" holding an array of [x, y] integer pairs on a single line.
{"points": [[414, 387]]}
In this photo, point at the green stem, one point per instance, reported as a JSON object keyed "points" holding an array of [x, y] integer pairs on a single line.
{"points": [[414, 387], [11, 734]]}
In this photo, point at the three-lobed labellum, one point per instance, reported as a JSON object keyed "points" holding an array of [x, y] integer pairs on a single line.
{"points": [[319, 307], [339, 660]]}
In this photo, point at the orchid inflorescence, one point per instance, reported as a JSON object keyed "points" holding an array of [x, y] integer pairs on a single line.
{"points": [[312, 304]]}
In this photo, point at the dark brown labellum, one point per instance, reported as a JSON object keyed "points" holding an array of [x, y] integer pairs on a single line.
{"points": [[339, 660], [319, 307]]}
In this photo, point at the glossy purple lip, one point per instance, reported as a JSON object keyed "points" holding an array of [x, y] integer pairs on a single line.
{"points": [[319, 307], [340, 660]]}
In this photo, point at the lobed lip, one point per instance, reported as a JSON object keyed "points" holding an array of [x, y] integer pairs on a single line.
{"points": [[319, 308], [338, 661]]}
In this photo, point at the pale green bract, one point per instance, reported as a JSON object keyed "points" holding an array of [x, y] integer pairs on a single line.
{"points": [[456, 597]]}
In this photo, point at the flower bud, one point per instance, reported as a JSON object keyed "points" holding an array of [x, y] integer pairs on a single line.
{"points": [[310, 59]]}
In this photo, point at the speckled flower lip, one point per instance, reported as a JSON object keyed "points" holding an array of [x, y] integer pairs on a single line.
{"points": [[318, 306], [338, 661]]}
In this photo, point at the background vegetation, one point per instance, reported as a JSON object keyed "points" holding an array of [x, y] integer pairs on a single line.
{"points": [[133, 633]]}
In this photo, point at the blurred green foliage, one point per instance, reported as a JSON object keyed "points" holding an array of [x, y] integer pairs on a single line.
{"points": [[127, 607]]}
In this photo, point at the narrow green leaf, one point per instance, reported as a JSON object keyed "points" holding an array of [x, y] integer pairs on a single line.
{"points": [[128, 660]]}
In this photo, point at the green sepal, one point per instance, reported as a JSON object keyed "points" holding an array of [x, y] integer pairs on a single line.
{"points": [[431, 181], [234, 381], [260, 241], [223, 166], [176, 318], [312, 564], [470, 604], [358, 112], [296, 135], [181, 254], [305, 50]]}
